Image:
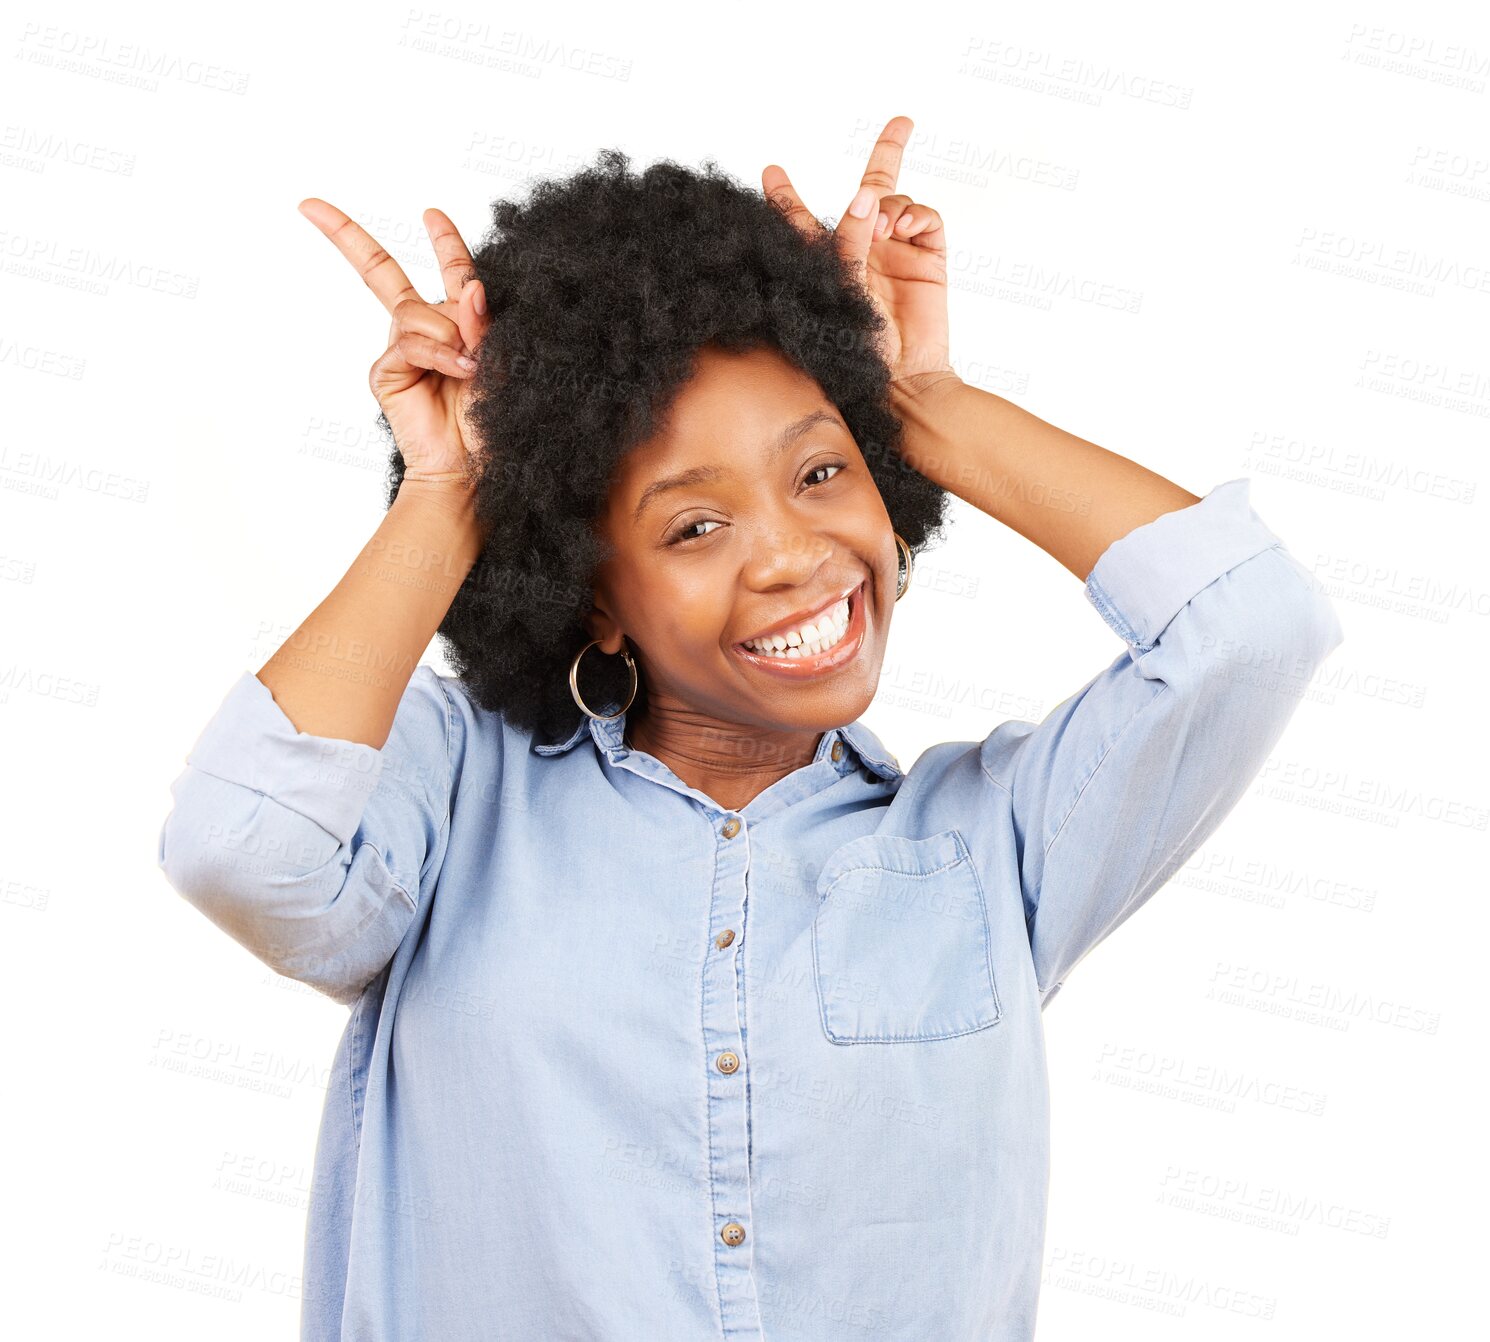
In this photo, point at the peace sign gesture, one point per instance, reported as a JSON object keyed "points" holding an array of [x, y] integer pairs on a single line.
{"points": [[421, 381], [898, 249]]}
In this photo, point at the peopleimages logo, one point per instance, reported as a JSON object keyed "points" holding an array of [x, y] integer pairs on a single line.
{"points": [[1314, 1001]]}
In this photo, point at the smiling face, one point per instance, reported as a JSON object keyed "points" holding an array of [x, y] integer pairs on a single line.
{"points": [[750, 513]]}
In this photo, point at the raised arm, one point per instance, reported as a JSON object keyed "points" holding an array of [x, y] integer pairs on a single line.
{"points": [[1124, 780], [314, 808], [343, 672]]}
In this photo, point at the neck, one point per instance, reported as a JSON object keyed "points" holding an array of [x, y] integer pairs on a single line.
{"points": [[731, 762]]}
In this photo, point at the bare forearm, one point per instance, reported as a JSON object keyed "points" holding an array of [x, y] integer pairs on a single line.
{"points": [[1069, 496], [343, 672]]}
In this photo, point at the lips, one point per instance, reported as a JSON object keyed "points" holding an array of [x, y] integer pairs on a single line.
{"points": [[824, 663], [802, 617]]}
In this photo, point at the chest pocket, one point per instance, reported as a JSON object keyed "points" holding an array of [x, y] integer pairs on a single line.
{"points": [[900, 942]]}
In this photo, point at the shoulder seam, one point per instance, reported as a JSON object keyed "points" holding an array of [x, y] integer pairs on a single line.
{"points": [[1097, 768], [983, 768]]}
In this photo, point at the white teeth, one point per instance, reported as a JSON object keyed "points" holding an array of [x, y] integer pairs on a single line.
{"points": [[812, 638]]}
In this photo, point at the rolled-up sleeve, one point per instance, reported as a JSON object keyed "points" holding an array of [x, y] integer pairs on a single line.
{"points": [[1123, 781], [310, 851]]}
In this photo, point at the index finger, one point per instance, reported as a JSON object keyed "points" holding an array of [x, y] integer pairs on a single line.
{"points": [[379, 271], [883, 169], [855, 231]]}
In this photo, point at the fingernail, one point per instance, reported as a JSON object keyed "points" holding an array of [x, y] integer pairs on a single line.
{"points": [[479, 302], [465, 362], [881, 223], [863, 203]]}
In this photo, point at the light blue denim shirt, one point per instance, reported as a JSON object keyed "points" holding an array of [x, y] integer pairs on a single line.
{"points": [[622, 1064]]}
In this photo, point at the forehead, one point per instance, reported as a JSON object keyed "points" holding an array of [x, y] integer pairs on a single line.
{"points": [[735, 405]]}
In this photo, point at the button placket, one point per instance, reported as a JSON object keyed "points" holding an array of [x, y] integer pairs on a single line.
{"points": [[724, 1050]]}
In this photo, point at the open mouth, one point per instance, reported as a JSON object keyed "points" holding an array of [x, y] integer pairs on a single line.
{"points": [[818, 646]]}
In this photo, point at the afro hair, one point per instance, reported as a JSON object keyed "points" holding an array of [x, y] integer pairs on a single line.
{"points": [[601, 289]]}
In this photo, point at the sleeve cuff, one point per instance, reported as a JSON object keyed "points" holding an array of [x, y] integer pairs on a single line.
{"points": [[250, 742], [1144, 579]]}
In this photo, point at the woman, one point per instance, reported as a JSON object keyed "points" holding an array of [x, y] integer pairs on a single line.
{"points": [[678, 1009]]}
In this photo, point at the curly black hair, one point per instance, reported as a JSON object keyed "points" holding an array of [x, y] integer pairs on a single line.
{"points": [[601, 288]]}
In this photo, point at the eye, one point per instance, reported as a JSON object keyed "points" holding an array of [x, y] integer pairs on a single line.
{"points": [[682, 533], [686, 532]]}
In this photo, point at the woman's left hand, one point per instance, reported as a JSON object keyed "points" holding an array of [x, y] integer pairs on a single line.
{"points": [[902, 263]]}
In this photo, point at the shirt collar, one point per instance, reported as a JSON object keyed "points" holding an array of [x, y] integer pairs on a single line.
{"points": [[862, 744]]}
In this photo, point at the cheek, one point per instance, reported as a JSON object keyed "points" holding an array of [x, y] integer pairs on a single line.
{"points": [[866, 519], [685, 614]]}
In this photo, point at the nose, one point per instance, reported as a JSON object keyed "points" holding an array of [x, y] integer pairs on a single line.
{"points": [[783, 556]]}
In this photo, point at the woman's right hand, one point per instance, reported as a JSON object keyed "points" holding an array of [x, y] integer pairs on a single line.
{"points": [[422, 379]]}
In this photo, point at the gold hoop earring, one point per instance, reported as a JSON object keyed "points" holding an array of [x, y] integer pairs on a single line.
{"points": [[903, 585], [574, 683]]}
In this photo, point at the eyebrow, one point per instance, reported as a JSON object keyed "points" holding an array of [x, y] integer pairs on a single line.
{"points": [[701, 474]]}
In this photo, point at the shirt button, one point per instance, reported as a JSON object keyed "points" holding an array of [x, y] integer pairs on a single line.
{"points": [[727, 1063], [837, 751], [731, 828], [733, 1234], [725, 937]]}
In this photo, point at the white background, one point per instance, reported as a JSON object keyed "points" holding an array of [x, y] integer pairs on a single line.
{"points": [[1295, 200]]}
